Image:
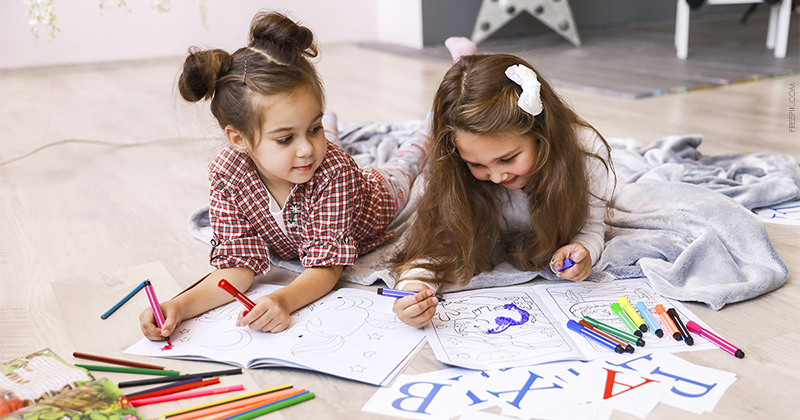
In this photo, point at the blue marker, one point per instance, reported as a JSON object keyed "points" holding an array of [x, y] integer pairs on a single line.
{"points": [[578, 328], [394, 293], [648, 318], [125, 299], [567, 264]]}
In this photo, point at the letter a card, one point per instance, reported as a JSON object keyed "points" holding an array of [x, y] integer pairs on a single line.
{"points": [[605, 385]]}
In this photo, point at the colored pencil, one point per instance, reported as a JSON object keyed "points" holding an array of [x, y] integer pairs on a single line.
{"points": [[254, 406], [244, 404], [125, 299], [304, 396], [175, 389], [153, 381], [114, 361], [224, 401], [185, 395], [167, 386], [125, 369]]}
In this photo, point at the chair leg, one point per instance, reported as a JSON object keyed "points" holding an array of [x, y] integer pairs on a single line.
{"points": [[782, 29], [682, 29], [773, 25]]}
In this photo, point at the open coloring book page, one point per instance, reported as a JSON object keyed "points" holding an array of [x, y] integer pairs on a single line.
{"points": [[575, 300], [497, 328], [787, 213], [349, 333], [524, 325]]}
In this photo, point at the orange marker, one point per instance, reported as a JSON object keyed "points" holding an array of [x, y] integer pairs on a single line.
{"points": [[676, 334]]}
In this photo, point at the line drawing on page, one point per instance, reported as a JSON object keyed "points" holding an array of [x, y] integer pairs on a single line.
{"points": [[350, 333], [576, 300], [499, 326], [323, 336]]}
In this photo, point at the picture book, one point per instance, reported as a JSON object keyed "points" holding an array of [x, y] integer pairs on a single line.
{"points": [[97, 400], [507, 327], [349, 333], [28, 379]]}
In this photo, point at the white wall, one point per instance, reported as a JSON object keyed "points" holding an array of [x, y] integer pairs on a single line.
{"points": [[90, 35], [400, 22]]}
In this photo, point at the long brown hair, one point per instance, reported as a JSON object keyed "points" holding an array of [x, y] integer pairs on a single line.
{"points": [[457, 232], [276, 61]]}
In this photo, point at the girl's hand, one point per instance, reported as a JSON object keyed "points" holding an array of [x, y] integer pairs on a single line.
{"points": [[173, 318], [269, 315], [418, 309], [580, 256]]}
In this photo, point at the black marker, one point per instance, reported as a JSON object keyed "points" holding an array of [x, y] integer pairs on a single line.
{"points": [[675, 317]]}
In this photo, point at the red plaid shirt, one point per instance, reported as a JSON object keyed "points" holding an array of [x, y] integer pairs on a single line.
{"points": [[341, 212]]}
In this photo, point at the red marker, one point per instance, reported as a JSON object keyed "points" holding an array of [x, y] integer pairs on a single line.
{"points": [[249, 304]]}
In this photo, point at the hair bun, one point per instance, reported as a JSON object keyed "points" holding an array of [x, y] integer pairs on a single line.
{"points": [[280, 36], [201, 70]]}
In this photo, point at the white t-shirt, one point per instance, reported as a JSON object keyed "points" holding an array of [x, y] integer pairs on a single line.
{"points": [[277, 213]]}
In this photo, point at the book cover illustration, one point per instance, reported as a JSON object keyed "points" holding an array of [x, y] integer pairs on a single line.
{"points": [[98, 400], [42, 374]]}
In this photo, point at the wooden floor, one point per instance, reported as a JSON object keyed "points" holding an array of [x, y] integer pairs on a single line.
{"points": [[82, 224]]}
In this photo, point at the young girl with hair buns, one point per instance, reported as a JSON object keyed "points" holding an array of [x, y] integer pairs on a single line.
{"points": [[513, 174], [280, 184]]}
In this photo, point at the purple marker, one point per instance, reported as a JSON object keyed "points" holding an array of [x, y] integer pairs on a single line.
{"points": [[567, 264], [397, 294]]}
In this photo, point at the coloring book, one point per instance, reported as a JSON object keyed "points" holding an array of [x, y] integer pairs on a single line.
{"points": [[97, 400], [508, 327], [27, 380], [349, 333]]}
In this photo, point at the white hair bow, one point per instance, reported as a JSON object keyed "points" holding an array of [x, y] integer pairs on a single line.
{"points": [[529, 100]]}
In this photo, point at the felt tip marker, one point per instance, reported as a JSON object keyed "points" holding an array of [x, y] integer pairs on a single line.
{"points": [[648, 318], [394, 293], [626, 319], [687, 338], [625, 346], [673, 329], [623, 335], [708, 335], [159, 316], [593, 336], [249, 304], [628, 308], [567, 264]]}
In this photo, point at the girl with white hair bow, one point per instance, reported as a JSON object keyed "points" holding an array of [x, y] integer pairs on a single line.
{"points": [[513, 175]]}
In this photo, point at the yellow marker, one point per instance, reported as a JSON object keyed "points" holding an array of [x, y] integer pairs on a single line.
{"points": [[623, 301]]}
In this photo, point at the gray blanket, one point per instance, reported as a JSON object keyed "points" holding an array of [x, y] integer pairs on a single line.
{"points": [[680, 219]]}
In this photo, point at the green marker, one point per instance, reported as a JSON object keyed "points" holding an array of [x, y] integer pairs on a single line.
{"points": [[622, 335], [625, 319]]}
